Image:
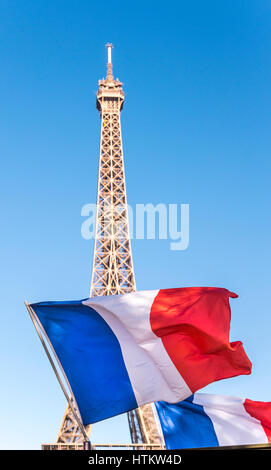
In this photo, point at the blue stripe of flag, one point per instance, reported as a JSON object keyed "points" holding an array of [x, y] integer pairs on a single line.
{"points": [[91, 357], [186, 425]]}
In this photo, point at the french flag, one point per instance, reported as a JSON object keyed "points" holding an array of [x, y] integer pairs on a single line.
{"points": [[123, 351], [204, 420]]}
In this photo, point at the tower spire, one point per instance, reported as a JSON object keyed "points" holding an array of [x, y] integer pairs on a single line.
{"points": [[109, 76]]}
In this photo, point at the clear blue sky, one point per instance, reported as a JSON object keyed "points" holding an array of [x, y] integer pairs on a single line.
{"points": [[196, 130]]}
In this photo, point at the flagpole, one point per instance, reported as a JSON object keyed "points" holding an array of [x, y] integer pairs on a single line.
{"points": [[86, 443]]}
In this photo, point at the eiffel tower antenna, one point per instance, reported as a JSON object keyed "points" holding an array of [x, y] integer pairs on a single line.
{"points": [[112, 271]]}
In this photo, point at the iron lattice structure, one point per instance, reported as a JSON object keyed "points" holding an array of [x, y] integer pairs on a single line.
{"points": [[112, 271]]}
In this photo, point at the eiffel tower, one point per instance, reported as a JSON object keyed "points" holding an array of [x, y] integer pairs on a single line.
{"points": [[112, 271]]}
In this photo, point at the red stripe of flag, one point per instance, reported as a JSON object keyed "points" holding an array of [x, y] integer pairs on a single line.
{"points": [[193, 324], [262, 411]]}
